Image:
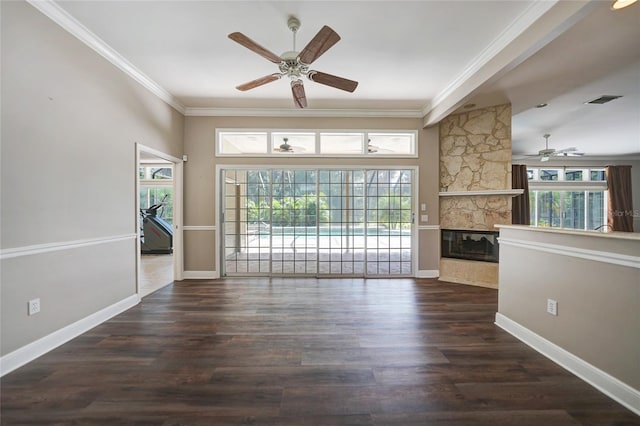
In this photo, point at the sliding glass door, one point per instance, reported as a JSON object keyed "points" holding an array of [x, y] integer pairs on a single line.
{"points": [[315, 222]]}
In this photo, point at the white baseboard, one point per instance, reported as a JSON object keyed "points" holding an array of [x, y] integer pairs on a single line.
{"points": [[200, 275], [604, 382], [428, 273], [33, 350]]}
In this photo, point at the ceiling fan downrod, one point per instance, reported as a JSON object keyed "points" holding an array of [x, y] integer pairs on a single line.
{"points": [[294, 26], [291, 65]]}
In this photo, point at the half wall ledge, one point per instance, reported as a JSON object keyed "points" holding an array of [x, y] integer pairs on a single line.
{"points": [[509, 192]]}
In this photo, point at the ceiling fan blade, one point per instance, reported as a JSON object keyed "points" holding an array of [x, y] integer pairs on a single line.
{"points": [[568, 154], [252, 45], [259, 82], [333, 81], [299, 96], [571, 149], [322, 42]]}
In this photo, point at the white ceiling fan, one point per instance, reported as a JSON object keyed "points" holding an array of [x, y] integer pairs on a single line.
{"points": [[295, 64], [546, 153], [287, 148]]}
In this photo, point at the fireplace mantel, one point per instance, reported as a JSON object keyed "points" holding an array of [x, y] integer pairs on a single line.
{"points": [[509, 192]]}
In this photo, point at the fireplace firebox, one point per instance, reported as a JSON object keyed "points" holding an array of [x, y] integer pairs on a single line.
{"points": [[470, 245]]}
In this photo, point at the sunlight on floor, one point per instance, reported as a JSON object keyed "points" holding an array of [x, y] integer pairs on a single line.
{"points": [[156, 271]]}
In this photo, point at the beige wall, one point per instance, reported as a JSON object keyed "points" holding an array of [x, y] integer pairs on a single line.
{"points": [[70, 121], [598, 301], [200, 179]]}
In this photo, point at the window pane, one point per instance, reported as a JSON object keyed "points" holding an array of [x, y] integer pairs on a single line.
{"points": [[574, 214], [531, 174], [159, 173], [341, 143], [547, 174], [573, 175], [532, 207], [391, 143], [568, 209], [243, 143], [549, 214], [596, 211], [598, 175], [293, 143], [160, 196]]}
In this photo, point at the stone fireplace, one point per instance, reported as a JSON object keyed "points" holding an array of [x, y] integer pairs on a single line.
{"points": [[475, 184]]}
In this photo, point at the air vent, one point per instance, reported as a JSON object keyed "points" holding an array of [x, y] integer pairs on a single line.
{"points": [[603, 99]]}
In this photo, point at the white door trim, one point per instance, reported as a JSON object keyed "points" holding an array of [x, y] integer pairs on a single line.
{"points": [[178, 167]]}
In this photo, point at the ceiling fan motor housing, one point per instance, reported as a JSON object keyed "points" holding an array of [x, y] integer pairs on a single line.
{"points": [[291, 66]]}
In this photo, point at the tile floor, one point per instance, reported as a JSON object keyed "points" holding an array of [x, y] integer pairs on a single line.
{"points": [[156, 271]]}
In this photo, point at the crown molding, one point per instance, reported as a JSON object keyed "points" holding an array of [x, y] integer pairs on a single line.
{"points": [[517, 27], [583, 161], [61, 17], [286, 112], [57, 14]]}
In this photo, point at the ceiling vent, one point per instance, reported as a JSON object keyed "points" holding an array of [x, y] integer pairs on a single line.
{"points": [[603, 99]]}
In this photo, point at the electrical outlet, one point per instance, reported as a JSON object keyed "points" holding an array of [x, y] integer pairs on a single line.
{"points": [[34, 306], [552, 307]]}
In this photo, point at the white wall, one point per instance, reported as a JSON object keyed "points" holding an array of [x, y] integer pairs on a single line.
{"points": [[70, 121]]}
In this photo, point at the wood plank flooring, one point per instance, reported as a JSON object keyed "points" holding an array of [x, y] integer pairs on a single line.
{"points": [[304, 352]]}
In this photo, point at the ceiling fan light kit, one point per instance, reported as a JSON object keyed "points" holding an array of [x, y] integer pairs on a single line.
{"points": [[621, 4], [295, 65]]}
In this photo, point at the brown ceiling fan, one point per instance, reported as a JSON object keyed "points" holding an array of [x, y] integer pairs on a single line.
{"points": [[294, 64]]}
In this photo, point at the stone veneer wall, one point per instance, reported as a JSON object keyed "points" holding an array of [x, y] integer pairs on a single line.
{"points": [[475, 154]]}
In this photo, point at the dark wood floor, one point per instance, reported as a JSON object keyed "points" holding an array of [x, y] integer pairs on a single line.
{"points": [[304, 352]]}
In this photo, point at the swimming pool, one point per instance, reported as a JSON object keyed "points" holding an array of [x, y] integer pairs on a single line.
{"points": [[333, 231]]}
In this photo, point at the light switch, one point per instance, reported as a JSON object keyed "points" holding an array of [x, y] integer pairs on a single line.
{"points": [[424, 218], [423, 207]]}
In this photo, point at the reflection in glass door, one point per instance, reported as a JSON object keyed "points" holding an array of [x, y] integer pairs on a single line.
{"points": [[317, 222]]}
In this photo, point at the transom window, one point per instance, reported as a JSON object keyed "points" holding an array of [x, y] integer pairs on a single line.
{"points": [[348, 143], [573, 198], [566, 174]]}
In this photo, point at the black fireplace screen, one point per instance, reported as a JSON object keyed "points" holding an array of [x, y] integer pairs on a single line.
{"points": [[470, 245]]}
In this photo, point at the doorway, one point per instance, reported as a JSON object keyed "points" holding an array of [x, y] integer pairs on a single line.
{"points": [[158, 214], [317, 222]]}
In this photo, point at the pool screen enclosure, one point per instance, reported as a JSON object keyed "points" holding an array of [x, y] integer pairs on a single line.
{"points": [[314, 222]]}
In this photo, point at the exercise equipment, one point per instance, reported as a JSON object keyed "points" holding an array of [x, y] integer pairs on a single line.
{"points": [[156, 234]]}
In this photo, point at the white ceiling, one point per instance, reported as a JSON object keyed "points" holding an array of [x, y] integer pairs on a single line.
{"points": [[411, 58]]}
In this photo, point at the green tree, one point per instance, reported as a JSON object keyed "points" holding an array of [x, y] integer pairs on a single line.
{"points": [[394, 211], [289, 211]]}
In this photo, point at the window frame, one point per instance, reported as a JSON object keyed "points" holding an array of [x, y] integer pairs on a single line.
{"points": [[562, 186], [268, 150]]}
